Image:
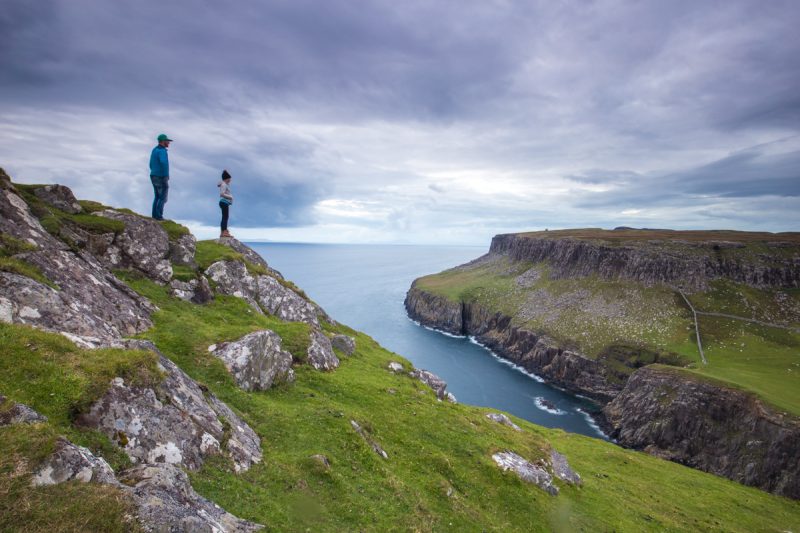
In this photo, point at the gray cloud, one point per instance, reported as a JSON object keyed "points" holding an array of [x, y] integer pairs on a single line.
{"points": [[475, 116]]}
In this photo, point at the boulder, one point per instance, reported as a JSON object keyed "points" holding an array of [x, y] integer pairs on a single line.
{"points": [[166, 501], [197, 290], [233, 279], [527, 471], [70, 462], [60, 197], [344, 343], [143, 245], [562, 470], [256, 361], [320, 352], [503, 419], [435, 382], [283, 302], [17, 413], [395, 367], [181, 250], [172, 423]]}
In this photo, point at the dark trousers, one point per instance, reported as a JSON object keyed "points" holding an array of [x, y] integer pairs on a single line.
{"points": [[224, 224], [160, 191]]}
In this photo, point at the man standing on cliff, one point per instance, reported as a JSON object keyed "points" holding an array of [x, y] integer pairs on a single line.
{"points": [[159, 175]]}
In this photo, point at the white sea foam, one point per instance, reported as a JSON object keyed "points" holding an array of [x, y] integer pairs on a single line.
{"points": [[445, 333], [541, 404], [593, 424], [506, 362]]}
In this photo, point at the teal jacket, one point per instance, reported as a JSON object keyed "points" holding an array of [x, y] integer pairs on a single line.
{"points": [[159, 162]]}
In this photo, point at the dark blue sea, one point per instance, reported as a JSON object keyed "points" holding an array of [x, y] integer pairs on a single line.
{"points": [[363, 286]]}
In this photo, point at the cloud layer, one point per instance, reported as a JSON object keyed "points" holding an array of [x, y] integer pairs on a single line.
{"points": [[415, 121]]}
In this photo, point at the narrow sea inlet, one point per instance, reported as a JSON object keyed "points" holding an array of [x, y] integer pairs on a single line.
{"points": [[363, 286]]}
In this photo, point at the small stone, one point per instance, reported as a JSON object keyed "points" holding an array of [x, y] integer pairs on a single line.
{"points": [[18, 413], [562, 470], [395, 367], [321, 459], [70, 462], [503, 419], [374, 445], [526, 471]]}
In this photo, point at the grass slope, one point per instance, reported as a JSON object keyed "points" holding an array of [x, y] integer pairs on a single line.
{"points": [[439, 475]]}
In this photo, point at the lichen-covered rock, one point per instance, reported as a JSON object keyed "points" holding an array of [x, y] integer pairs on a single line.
{"points": [[70, 462], [320, 352], [283, 302], [17, 413], [435, 382], [562, 470], [232, 278], [182, 289], [344, 343], [173, 423], [89, 300], [182, 250], [143, 245], [197, 290], [526, 471], [17, 220], [503, 419], [202, 291], [60, 197], [166, 502], [243, 444], [256, 361]]}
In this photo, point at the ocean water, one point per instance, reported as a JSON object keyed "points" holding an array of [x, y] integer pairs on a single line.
{"points": [[364, 286]]}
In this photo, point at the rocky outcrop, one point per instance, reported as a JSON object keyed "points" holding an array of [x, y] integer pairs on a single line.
{"points": [[249, 254], [562, 470], [535, 353], [166, 501], [17, 413], [433, 381], [649, 262], [143, 245], [320, 352], [526, 471], [504, 420], [369, 440], [59, 197], [172, 423], [728, 432], [69, 462], [256, 361], [182, 250]]}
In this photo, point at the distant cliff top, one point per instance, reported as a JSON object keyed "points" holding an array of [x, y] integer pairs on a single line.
{"points": [[632, 235]]}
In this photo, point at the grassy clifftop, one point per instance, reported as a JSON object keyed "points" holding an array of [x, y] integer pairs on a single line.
{"points": [[750, 335]]}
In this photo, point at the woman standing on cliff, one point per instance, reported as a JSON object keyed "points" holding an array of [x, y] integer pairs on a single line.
{"points": [[225, 201]]}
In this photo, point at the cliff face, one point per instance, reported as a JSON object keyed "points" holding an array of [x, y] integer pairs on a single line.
{"points": [[650, 263], [535, 353], [713, 428]]}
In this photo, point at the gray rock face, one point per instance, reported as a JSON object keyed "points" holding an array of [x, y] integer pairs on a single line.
{"points": [[172, 424], [243, 444], [562, 470], [59, 197], [535, 353], [503, 419], [143, 245], [435, 382], [196, 290], [648, 263], [181, 251], [263, 293], [70, 462], [256, 361], [17, 220], [526, 471], [17, 413], [320, 352], [344, 343], [724, 431], [89, 300], [167, 502]]}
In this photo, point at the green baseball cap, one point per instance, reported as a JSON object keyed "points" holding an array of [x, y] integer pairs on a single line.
{"points": [[163, 137]]}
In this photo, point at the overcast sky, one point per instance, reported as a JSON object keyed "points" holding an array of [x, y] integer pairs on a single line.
{"points": [[415, 121]]}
